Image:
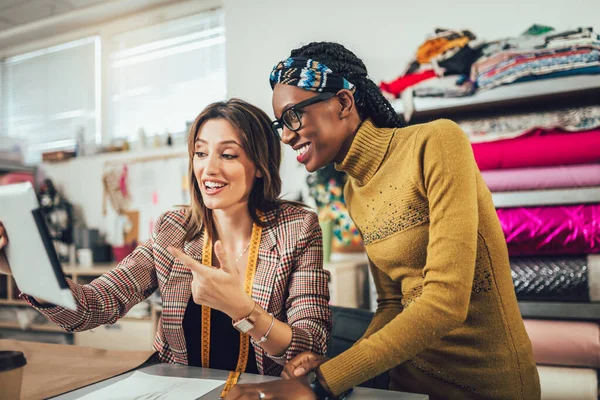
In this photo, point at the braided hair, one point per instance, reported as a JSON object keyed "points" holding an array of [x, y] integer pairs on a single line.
{"points": [[370, 103]]}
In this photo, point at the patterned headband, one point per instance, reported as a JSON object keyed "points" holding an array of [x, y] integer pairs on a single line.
{"points": [[308, 74]]}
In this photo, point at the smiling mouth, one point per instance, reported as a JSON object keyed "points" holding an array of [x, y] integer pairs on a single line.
{"points": [[211, 187], [301, 152]]}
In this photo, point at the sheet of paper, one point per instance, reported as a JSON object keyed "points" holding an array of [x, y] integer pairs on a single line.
{"points": [[30, 251], [141, 386]]}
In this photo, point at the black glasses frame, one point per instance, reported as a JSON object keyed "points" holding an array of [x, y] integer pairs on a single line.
{"points": [[280, 123]]}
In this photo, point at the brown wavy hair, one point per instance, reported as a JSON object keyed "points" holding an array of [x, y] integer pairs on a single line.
{"points": [[262, 148]]}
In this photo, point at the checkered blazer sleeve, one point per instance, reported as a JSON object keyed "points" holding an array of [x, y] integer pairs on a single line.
{"points": [[110, 296], [307, 305]]}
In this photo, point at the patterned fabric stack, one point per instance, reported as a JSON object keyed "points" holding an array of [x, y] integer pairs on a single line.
{"points": [[440, 68], [537, 55], [452, 64], [554, 248]]}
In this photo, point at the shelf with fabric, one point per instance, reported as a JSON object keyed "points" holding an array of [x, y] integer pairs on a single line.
{"points": [[560, 310], [536, 91], [11, 166], [546, 197]]}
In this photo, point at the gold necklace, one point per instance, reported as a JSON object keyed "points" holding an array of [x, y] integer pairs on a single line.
{"points": [[243, 252]]}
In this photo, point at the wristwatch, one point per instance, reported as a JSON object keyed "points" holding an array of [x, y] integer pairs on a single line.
{"points": [[246, 324], [320, 392], [316, 387]]}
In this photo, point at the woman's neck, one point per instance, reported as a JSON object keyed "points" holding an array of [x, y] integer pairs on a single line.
{"points": [[354, 127], [233, 226]]}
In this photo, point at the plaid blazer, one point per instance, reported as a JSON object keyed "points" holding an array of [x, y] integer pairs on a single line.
{"points": [[290, 282]]}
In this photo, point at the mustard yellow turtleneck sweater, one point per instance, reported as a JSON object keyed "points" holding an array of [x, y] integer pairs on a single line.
{"points": [[447, 321]]}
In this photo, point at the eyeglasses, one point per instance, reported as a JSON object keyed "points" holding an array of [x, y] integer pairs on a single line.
{"points": [[290, 118]]}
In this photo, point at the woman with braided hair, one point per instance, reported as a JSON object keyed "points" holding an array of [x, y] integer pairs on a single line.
{"points": [[447, 322]]}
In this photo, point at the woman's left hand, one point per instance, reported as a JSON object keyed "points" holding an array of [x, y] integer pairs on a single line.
{"points": [[218, 288], [296, 389]]}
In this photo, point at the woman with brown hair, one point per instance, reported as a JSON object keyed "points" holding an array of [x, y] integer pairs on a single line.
{"points": [[266, 286]]}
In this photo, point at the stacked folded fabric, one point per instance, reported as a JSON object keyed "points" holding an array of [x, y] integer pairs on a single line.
{"points": [[543, 239], [537, 56], [554, 248], [450, 64], [440, 68]]}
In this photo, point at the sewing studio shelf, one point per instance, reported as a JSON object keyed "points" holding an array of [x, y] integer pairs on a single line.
{"points": [[560, 310], [550, 197], [537, 91]]}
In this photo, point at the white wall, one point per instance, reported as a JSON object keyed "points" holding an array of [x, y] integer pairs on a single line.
{"points": [[384, 33]]}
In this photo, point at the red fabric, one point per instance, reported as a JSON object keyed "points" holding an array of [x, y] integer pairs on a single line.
{"points": [[539, 149], [16, 177], [397, 87]]}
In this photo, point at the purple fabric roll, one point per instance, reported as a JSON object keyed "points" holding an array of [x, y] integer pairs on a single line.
{"points": [[506, 180], [557, 230]]}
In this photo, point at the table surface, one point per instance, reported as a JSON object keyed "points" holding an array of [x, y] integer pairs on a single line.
{"points": [[182, 371]]}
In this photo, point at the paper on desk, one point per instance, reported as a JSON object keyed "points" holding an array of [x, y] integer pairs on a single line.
{"points": [[141, 386]]}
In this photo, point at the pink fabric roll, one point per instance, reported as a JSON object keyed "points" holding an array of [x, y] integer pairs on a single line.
{"points": [[539, 150], [559, 230], [17, 177], [575, 344], [506, 180]]}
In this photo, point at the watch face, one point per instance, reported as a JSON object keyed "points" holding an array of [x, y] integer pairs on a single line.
{"points": [[312, 376], [243, 325]]}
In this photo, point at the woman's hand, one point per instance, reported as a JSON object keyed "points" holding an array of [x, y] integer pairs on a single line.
{"points": [[218, 288], [4, 267], [296, 389], [302, 364]]}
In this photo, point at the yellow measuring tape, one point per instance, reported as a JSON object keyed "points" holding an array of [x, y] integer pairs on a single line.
{"points": [[244, 338]]}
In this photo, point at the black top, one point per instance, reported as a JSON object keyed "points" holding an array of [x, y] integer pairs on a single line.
{"points": [[224, 340]]}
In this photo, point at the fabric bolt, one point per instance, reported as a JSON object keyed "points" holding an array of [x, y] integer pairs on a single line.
{"points": [[539, 150], [572, 176], [568, 383], [397, 86], [557, 278], [290, 283], [516, 125], [565, 343], [553, 230]]}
